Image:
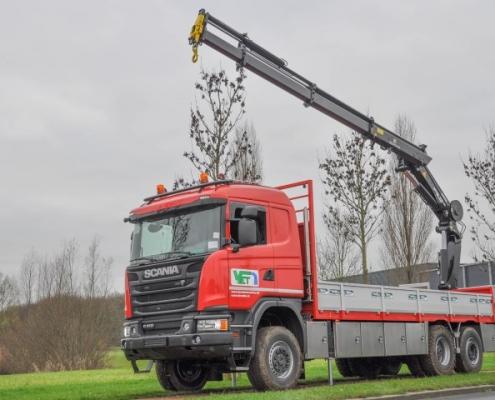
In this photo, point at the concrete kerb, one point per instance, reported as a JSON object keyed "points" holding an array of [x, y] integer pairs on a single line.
{"points": [[431, 394]]}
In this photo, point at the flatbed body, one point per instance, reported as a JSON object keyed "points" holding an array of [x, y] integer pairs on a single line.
{"points": [[352, 301]]}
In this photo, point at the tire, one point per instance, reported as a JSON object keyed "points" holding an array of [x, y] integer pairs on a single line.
{"points": [[344, 367], [277, 360], [366, 368], [470, 358], [181, 375], [390, 366], [161, 374], [440, 359], [415, 367]]}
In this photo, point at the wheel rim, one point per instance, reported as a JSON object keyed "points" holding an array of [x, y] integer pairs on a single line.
{"points": [[281, 359], [188, 372], [472, 351], [443, 351]]}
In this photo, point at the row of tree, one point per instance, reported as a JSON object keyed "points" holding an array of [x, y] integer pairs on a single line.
{"points": [[59, 313], [42, 276], [366, 198]]}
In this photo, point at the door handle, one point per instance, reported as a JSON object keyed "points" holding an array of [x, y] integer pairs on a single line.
{"points": [[269, 275]]}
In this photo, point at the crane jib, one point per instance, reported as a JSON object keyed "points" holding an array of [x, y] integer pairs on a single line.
{"points": [[318, 99]]}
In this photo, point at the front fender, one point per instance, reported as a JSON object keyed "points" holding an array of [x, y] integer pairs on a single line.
{"points": [[294, 305]]}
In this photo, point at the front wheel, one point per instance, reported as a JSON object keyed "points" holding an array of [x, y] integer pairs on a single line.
{"points": [[181, 375], [276, 363]]}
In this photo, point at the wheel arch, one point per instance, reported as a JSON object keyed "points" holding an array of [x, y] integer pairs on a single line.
{"points": [[286, 313]]}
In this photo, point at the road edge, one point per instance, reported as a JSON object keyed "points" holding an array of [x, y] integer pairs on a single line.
{"points": [[429, 394]]}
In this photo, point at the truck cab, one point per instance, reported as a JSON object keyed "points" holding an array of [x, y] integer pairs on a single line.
{"points": [[209, 264]]}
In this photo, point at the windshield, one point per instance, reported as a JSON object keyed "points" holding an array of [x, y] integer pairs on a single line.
{"points": [[187, 232]]}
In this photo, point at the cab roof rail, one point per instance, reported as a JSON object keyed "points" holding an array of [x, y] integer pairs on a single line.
{"points": [[200, 186]]}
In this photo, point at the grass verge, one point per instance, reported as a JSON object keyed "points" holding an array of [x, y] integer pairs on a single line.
{"points": [[119, 383]]}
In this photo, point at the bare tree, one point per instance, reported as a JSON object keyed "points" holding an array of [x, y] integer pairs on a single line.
{"points": [[63, 269], [336, 255], [56, 275], [407, 220], [220, 107], [480, 169], [45, 276], [28, 276], [95, 282], [8, 292], [248, 166], [356, 178]]}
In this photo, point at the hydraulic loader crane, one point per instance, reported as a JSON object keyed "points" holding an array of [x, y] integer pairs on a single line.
{"points": [[413, 160]]}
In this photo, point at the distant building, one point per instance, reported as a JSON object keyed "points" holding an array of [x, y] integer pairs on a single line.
{"points": [[395, 276], [478, 274]]}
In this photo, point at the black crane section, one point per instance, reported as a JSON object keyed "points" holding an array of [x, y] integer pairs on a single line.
{"points": [[413, 159]]}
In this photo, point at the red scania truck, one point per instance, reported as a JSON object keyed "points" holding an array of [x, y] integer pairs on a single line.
{"points": [[223, 275]]}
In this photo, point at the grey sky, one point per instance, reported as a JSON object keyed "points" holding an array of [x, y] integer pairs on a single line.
{"points": [[95, 96]]}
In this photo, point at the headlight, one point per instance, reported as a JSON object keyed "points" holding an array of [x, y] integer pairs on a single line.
{"points": [[130, 330], [127, 331], [213, 325]]}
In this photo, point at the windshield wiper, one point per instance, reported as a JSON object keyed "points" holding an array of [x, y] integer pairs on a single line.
{"points": [[178, 254], [171, 255], [148, 259]]}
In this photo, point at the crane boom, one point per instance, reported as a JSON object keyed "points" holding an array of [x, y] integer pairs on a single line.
{"points": [[413, 159]]}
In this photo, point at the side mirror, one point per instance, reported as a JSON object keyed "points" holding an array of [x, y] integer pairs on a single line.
{"points": [[247, 232], [251, 212]]}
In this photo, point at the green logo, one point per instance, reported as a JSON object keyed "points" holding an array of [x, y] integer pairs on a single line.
{"points": [[244, 277]]}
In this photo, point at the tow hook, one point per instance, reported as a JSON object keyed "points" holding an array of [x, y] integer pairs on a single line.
{"points": [[136, 369]]}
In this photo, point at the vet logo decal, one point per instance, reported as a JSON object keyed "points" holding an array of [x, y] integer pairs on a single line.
{"points": [[244, 277]]}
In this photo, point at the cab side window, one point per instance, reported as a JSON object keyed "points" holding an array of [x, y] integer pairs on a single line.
{"points": [[235, 216]]}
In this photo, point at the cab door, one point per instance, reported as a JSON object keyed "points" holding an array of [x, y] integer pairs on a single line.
{"points": [[251, 274]]}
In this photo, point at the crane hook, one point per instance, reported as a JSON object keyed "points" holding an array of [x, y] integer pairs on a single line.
{"points": [[195, 54], [196, 33]]}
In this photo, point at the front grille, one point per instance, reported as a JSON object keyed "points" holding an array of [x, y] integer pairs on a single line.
{"points": [[166, 308], [166, 295]]}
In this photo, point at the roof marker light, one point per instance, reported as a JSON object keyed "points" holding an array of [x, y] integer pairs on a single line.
{"points": [[203, 177], [160, 188]]}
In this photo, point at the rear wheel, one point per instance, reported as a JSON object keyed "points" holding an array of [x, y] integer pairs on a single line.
{"points": [[344, 367], [276, 363], [367, 368], [414, 365], [440, 359], [390, 366], [470, 358], [181, 375]]}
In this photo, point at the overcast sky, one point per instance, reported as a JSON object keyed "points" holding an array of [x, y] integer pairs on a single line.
{"points": [[95, 97]]}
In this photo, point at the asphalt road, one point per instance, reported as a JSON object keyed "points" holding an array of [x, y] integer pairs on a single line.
{"points": [[470, 396]]}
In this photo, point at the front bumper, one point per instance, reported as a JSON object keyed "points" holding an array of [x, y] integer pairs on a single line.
{"points": [[171, 347]]}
